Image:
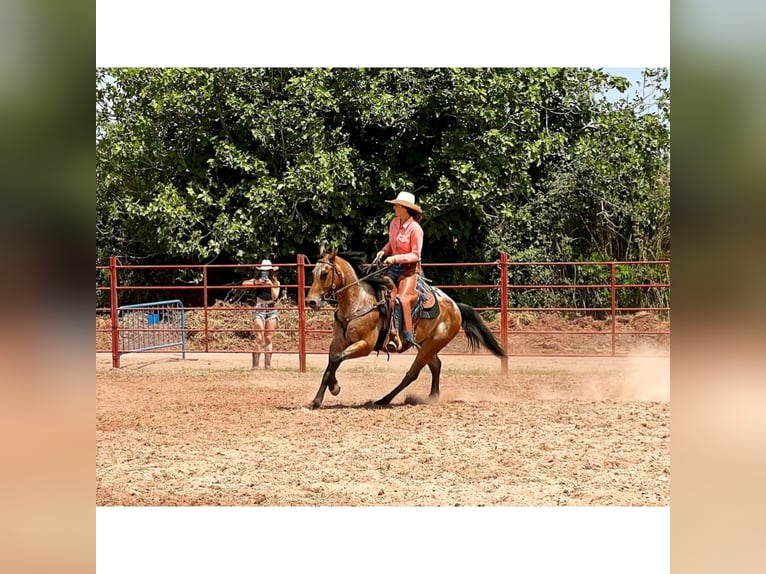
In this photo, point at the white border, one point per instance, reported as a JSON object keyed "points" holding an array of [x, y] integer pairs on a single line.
{"points": [[593, 33], [346, 539]]}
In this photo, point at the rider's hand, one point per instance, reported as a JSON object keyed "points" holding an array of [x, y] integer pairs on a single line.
{"points": [[389, 260], [378, 257]]}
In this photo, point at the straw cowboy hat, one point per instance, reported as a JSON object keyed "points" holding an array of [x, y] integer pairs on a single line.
{"points": [[266, 266], [406, 199]]}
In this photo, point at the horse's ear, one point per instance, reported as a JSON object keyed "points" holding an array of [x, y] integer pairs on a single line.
{"points": [[321, 250], [332, 255]]}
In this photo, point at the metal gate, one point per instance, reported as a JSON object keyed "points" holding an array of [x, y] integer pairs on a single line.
{"points": [[147, 326]]}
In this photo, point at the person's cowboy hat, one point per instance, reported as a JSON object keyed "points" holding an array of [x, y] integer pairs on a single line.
{"points": [[266, 266], [406, 199]]}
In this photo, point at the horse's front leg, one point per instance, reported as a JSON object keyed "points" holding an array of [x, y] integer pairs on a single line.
{"points": [[359, 349], [328, 380]]}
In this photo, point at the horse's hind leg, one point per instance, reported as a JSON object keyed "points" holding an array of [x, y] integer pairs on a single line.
{"points": [[410, 376], [435, 365]]}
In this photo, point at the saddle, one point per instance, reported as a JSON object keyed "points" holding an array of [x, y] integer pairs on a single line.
{"points": [[426, 307]]}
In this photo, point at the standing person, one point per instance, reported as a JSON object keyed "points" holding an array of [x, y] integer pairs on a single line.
{"points": [[402, 253], [266, 316]]}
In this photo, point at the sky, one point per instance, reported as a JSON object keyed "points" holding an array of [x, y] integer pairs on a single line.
{"points": [[634, 76]]}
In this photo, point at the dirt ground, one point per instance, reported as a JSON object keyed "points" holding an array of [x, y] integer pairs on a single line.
{"points": [[208, 430]]}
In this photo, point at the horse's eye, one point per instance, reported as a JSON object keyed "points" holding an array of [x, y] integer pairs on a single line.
{"points": [[323, 275]]}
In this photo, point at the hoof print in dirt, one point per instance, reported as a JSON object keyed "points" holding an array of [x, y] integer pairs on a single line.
{"points": [[375, 405], [415, 400]]}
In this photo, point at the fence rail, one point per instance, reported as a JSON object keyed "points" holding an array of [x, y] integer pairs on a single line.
{"points": [[608, 284]]}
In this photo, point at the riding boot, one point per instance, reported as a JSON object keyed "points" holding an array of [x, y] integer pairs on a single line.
{"points": [[267, 360], [256, 360], [407, 338]]}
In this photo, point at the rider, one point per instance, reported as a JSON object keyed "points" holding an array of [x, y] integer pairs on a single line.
{"points": [[402, 253]]}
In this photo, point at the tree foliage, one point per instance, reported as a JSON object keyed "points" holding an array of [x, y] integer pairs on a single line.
{"points": [[231, 165]]}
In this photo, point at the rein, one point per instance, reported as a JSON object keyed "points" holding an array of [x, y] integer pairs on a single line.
{"points": [[336, 272], [333, 292], [359, 280]]}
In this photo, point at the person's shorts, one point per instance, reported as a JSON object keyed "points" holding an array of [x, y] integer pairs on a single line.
{"points": [[266, 313], [399, 270]]}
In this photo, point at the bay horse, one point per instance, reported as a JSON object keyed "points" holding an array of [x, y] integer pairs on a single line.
{"points": [[361, 317]]}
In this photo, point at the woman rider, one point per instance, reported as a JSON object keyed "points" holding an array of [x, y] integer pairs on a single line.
{"points": [[402, 253]]}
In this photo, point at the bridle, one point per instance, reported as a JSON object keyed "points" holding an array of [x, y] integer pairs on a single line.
{"points": [[335, 288], [336, 273]]}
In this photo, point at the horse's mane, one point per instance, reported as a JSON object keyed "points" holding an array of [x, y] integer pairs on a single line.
{"points": [[356, 259], [358, 262]]}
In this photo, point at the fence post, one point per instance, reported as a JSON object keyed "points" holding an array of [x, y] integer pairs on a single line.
{"points": [[613, 284], [115, 318], [301, 313], [504, 311], [204, 304]]}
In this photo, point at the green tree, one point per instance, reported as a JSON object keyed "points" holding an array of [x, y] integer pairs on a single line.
{"points": [[231, 165]]}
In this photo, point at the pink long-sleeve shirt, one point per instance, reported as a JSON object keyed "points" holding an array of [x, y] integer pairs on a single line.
{"points": [[405, 241]]}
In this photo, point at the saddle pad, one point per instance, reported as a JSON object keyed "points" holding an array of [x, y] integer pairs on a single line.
{"points": [[427, 304], [426, 307]]}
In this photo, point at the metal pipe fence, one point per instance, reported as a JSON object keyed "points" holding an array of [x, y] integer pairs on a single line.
{"points": [[517, 290]]}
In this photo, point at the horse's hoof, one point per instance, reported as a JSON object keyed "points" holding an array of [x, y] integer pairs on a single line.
{"points": [[315, 405], [335, 390], [381, 403]]}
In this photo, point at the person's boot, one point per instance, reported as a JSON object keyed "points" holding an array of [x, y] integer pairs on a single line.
{"points": [[409, 340], [267, 360], [256, 360]]}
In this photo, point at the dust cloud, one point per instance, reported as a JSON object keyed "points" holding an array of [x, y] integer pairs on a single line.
{"points": [[636, 378]]}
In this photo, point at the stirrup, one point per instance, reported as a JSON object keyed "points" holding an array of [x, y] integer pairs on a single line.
{"points": [[394, 344]]}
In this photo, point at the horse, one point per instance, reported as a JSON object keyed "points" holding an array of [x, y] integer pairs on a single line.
{"points": [[361, 321]]}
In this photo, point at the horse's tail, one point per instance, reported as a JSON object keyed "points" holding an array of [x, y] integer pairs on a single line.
{"points": [[477, 332]]}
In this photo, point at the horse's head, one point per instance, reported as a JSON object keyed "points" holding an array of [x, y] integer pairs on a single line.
{"points": [[328, 278]]}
